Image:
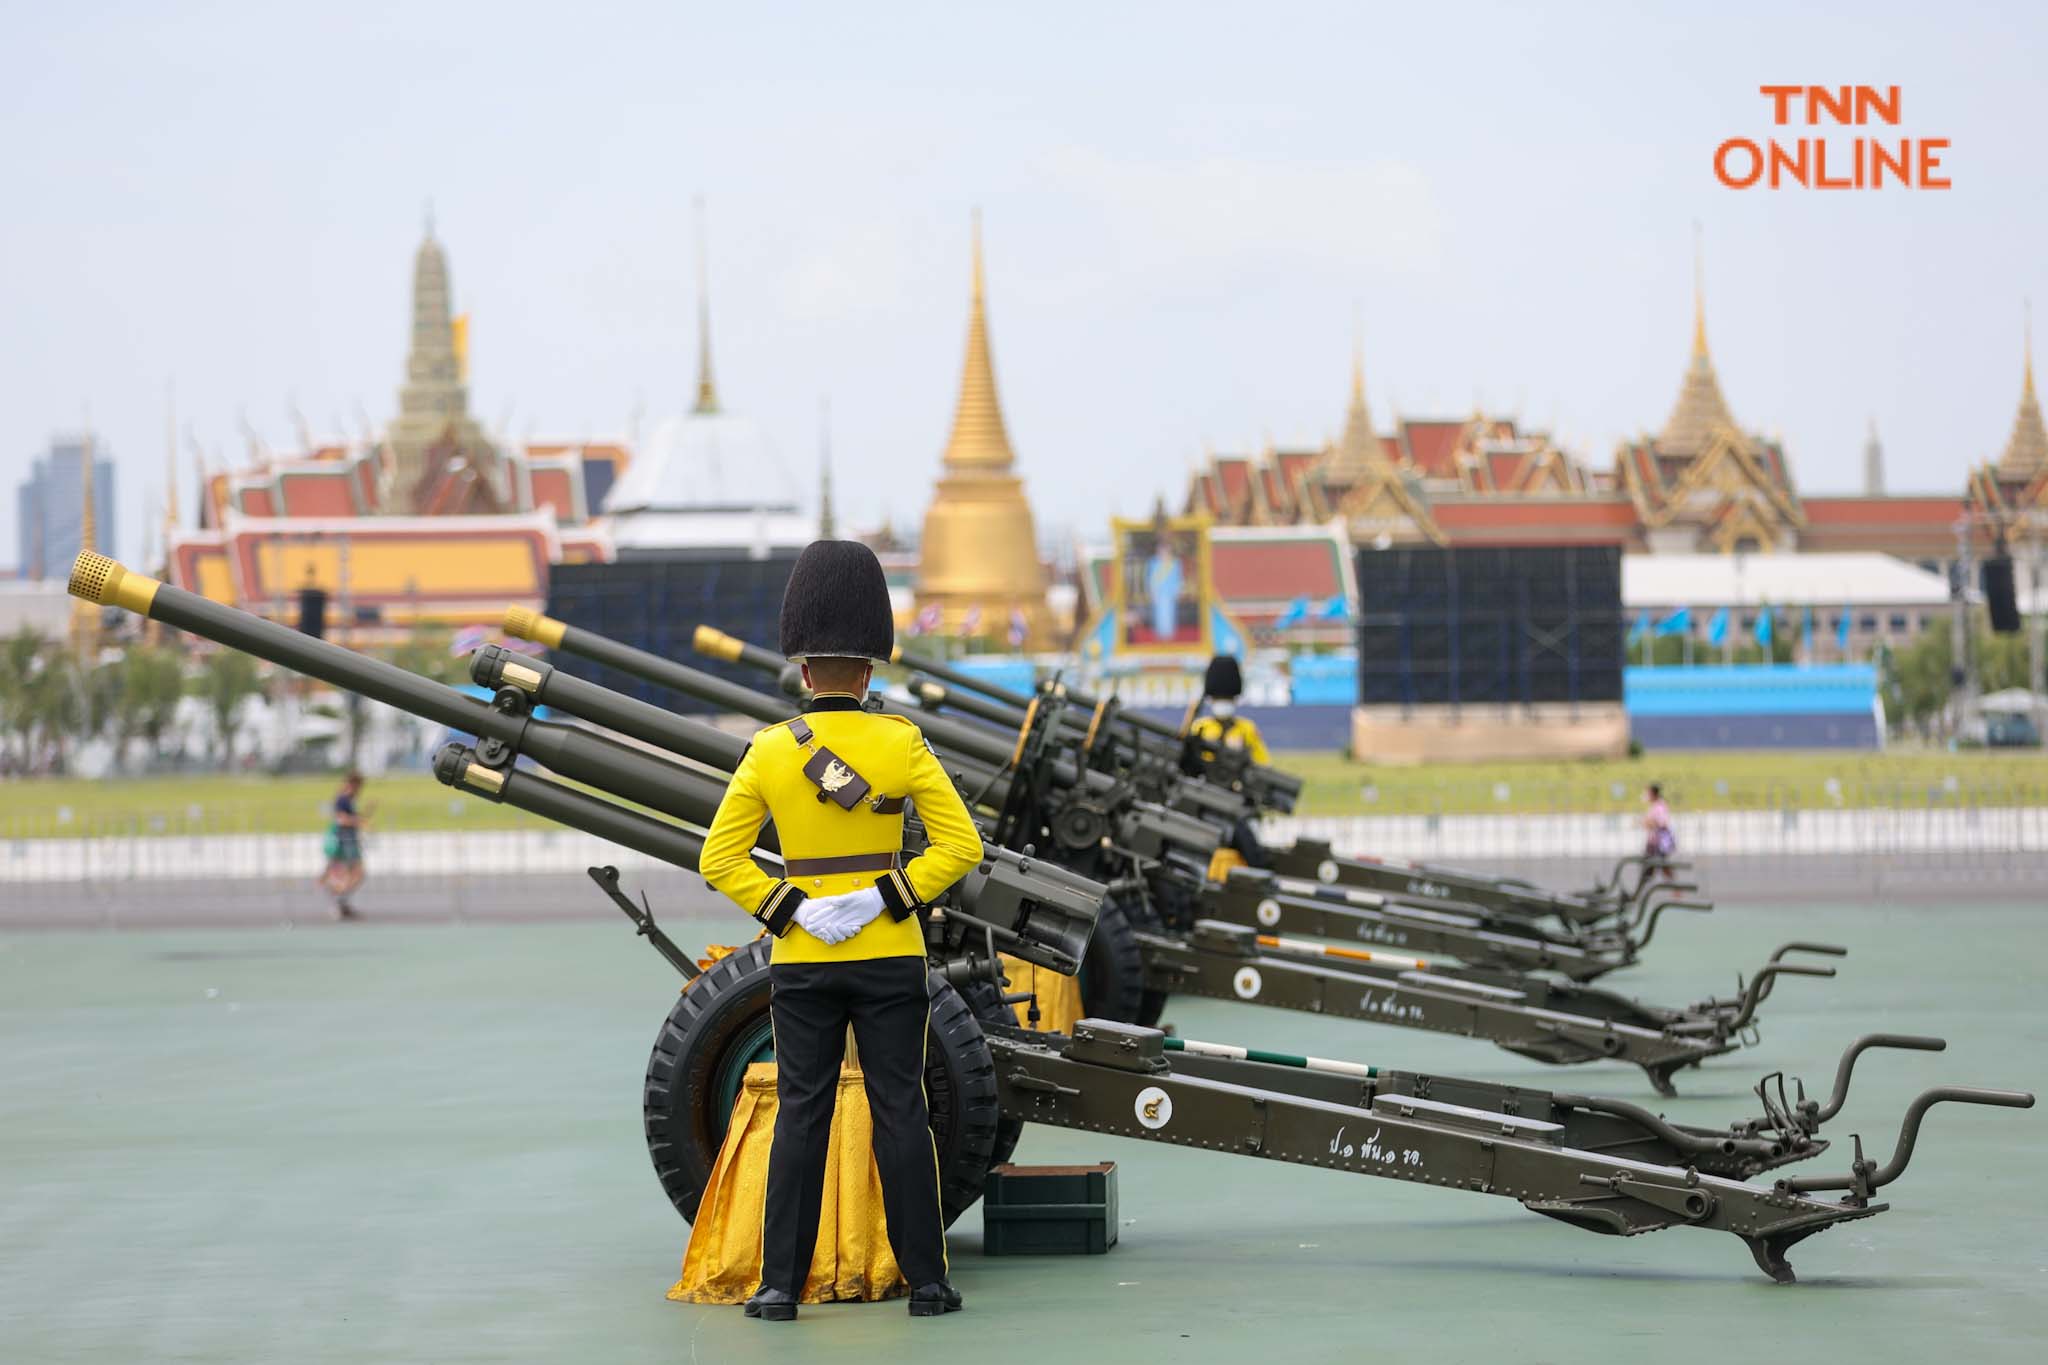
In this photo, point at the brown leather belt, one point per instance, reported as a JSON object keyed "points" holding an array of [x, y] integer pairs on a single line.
{"points": [[851, 862]]}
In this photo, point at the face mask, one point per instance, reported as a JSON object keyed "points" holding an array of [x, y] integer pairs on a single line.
{"points": [[1223, 709]]}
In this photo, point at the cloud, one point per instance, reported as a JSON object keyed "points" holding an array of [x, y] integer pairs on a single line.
{"points": [[1374, 215]]}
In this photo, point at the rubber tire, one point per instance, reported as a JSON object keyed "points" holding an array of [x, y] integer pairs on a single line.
{"points": [[717, 1010], [1113, 968], [986, 1001]]}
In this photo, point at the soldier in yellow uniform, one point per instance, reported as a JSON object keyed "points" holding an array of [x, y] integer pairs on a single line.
{"points": [[1226, 738], [1221, 687], [849, 946]]}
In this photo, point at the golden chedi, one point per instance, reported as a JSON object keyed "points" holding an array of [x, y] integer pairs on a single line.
{"points": [[979, 570]]}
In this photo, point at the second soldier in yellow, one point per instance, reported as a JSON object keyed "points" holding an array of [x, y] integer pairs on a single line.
{"points": [[849, 947]]}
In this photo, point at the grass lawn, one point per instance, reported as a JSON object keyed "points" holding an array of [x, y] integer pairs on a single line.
{"points": [[1715, 780], [1747, 780], [221, 804]]}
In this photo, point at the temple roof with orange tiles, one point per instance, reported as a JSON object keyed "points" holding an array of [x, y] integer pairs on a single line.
{"points": [[432, 520], [1699, 483]]}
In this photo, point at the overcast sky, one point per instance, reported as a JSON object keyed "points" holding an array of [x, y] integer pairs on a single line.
{"points": [[1183, 205]]}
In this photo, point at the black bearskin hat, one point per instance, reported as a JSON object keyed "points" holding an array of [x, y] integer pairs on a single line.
{"points": [[837, 604], [1224, 678]]}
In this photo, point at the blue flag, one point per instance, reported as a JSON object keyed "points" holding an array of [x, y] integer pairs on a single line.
{"points": [[1842, 631], [1336, 609], [1806, 633], [1677, 623], [1763, 627], [1717, 629], [1642, 625], [1296, 613]]}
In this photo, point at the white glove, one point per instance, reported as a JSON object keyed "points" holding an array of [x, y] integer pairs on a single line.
{"points": [[859, 908], [834, 919], [824, 921]]}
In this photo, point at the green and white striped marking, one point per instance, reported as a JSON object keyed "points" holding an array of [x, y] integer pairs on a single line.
{"points": [[1252, 1054]]}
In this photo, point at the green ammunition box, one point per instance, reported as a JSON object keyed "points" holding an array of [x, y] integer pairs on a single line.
{"points": [[1049, 1210]]}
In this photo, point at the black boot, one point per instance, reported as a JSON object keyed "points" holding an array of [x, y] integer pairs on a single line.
{"points": [[934, 1300], [773, 1305]]}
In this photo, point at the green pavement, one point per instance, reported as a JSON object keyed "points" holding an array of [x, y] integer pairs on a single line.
{"points": [[371, 1143]]}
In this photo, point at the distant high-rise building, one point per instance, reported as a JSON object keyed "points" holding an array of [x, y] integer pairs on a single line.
{"points": [[51, 508]]}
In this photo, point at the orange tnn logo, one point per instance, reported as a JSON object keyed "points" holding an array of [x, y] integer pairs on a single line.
{"points": [[1882, 159]]}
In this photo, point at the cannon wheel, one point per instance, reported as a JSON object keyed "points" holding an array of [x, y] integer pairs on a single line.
{"points": [[720, 1024], [986, 1001], [1113, 969]]}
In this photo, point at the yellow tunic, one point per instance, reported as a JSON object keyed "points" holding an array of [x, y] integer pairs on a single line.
{"points": [[891, 754], [1235, 733]]}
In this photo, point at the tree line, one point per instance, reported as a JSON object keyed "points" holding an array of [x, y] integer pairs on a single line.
{"points": [[51, 702]]}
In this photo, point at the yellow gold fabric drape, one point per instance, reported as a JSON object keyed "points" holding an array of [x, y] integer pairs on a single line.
{"points": [[853, 1261]]}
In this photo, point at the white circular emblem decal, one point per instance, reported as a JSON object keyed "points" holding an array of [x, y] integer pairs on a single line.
{"points": [[1246, 983], [1154, 1107], [1327, 870], [1269, 912]]}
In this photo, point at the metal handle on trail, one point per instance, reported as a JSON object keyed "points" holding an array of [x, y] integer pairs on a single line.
{"points": [[1797, 946], [1863, 1180], [1909, 1042], [1759, 985], [1829, 949], [1650, 920]]}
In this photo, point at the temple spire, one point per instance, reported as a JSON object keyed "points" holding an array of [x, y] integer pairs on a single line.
{"points": [[979, 441], [1699, 300], [1358, 449], [170, 462], [826, 521], [2026, 450], [707, 389], [1700, 411]]}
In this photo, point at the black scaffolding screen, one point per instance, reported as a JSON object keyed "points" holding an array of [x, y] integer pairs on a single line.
{"points": [[657, 604], [1503, 625]]}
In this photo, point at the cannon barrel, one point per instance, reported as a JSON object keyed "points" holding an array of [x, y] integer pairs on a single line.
{"points": [[945, 732], [1024, 906], [986, 755], [581, 755], [1270, 786], [979, 758], [456, 765], [494, 666]]}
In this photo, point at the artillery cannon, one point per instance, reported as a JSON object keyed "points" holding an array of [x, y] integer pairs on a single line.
{"points": [[1576, 914], [1168, 929], [1558, 1155]]}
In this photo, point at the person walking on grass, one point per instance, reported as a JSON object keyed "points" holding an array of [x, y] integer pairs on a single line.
{"points": [[344, 848]]}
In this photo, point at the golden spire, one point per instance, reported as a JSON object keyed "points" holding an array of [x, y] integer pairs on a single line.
{"points": [[979, 442], [1699, 300], [1358, 449], [1701, 410], [2026, 450], [707, 391], [170, 462]]}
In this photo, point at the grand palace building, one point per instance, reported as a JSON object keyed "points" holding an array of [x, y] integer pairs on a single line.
{"points": [[1288, 519]]}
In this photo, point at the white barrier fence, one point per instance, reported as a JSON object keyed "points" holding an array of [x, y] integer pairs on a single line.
{"points": [[1964, 831]]}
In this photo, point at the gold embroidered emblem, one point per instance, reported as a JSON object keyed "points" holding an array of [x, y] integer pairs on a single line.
{"points": [[835, 776]]}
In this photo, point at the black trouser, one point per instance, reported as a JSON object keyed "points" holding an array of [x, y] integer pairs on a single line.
{"points": [[888, 1002]]}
